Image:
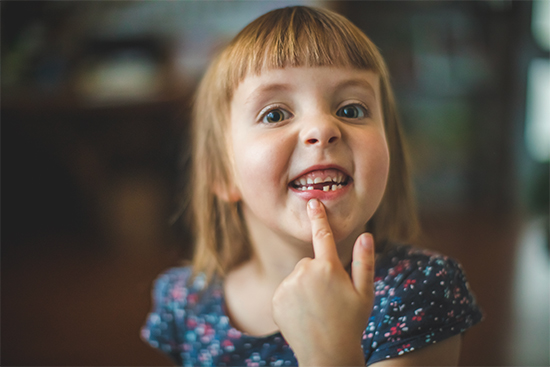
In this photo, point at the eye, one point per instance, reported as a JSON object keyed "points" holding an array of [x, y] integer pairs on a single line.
{"points": [[352, 111], [275, 116]]}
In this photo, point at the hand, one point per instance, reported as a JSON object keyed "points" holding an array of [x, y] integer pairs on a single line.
{"points": [[320, 311]]}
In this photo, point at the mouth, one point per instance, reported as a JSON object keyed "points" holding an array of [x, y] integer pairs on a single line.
{"points": [[325, 180]]}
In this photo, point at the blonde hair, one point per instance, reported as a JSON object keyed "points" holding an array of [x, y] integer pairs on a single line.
{"points": [[287, 37]]}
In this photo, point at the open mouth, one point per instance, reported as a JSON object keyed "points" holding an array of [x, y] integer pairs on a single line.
{"points": [[323, 180]]}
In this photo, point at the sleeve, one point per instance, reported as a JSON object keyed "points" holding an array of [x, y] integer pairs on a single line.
{"points": [[160, 329], [432, 303]]}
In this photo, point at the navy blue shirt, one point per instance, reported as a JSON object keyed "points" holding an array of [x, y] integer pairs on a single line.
{"points": [[420, 298]]}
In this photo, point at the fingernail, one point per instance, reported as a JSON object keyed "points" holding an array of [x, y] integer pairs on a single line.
{"points": [[313, 203], [366, 242]]}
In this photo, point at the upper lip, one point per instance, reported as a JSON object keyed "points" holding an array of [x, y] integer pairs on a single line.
{"points": [[321, 167]]}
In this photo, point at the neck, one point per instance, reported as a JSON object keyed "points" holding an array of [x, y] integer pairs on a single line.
{"points": [[249, 288]]}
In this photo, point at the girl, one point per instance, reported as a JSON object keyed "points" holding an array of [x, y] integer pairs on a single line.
{"points": [[297, 152]]}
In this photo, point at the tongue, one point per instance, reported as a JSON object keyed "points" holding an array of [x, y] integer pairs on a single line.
{"points": [[320, 186]]}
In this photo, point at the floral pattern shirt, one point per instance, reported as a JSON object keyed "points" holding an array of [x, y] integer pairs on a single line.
{"points": [[421, 298]]}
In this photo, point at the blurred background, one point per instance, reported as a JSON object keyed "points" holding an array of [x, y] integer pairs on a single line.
{"points": [[94, 116]]}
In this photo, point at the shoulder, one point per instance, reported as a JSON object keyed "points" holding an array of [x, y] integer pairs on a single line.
{"points": [[421, 297], [178, 277], [179, 286], [175, 275], [170, 291], [175, 295], [409, 268], [401, 259], [420, 279]]}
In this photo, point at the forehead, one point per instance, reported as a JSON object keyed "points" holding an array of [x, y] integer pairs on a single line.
{"points": [[292, 79]]}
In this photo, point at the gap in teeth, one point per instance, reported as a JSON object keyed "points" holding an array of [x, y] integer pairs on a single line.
{"points": [[326, 188]]}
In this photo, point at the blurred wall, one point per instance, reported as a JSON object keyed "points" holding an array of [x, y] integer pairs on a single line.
{"points": [[94, 111]]}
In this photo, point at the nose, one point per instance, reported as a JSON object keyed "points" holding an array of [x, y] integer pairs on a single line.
{"points": [[321, 132]]}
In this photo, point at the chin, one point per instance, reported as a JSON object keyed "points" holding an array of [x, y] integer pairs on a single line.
{"points": [[340, 237], [344, 239]]}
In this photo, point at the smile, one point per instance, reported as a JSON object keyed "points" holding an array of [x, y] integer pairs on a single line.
{"points": [[321, 180]]}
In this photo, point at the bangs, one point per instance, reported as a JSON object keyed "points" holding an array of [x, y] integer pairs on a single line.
{"points": [[294, 37]]}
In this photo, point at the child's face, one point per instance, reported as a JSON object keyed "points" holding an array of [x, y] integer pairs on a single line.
{"points": [[294, 126]]}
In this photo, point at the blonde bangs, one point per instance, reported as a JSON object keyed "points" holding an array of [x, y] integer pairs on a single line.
{"points": [[295, 37]]}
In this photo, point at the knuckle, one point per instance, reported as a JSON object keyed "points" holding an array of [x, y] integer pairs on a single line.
{"points": [[369, 266], [281, 294], [329, 267], [302, 263], [276, 300], [323, 233]]}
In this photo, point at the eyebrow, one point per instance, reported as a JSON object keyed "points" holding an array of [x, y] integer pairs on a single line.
{"points": [[266, 88], [277, 87], [361, 83]]}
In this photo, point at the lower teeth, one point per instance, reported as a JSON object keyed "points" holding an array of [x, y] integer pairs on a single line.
{"points": [[325, 188]]}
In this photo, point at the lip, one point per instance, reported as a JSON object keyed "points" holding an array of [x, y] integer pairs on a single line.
{"points": [[322, 195], [321, 167], [318, 194]]}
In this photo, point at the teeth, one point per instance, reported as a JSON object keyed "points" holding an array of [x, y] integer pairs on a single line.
{"points": [[326, 188], [334, 183]]}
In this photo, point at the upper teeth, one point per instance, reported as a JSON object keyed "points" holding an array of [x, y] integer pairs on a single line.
{"points": [[309, 181]]}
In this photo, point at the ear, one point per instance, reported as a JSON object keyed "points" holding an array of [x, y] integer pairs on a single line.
{"points": [[229, 194]]}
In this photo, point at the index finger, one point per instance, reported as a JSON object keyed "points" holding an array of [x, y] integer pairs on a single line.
{"points": [[324, 246]]}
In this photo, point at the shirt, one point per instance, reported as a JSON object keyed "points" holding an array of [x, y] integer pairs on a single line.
{"points": [[420, 298]]}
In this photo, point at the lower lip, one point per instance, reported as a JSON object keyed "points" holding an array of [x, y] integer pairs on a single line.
{"points": [[320, 194]]}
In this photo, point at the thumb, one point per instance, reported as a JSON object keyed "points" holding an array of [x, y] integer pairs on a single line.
{"points": [[362, 266]]}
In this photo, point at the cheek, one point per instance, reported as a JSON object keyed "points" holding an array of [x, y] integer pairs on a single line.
{"points": [[260, 166], [376, 163], [382, 166]]}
